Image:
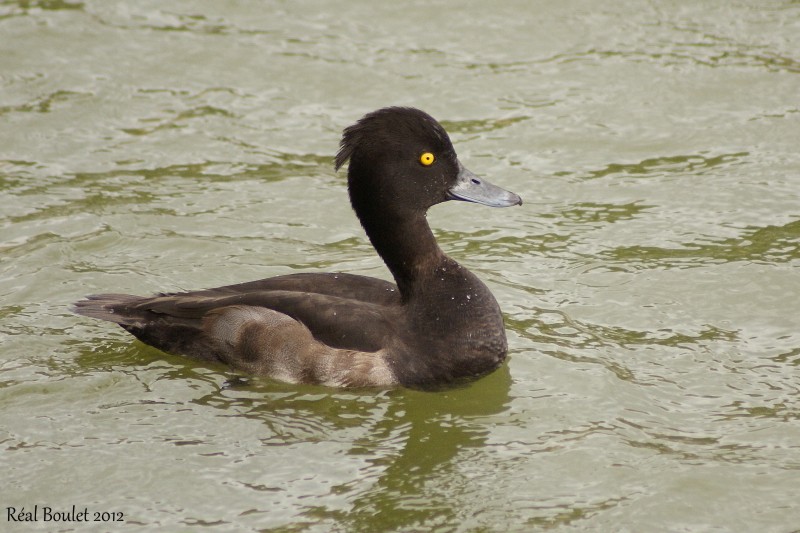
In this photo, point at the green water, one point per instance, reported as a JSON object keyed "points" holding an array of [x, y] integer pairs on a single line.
{"points": [[650, 282]]}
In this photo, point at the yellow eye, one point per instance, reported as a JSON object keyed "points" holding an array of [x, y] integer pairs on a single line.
{"points": [[426, 159]]}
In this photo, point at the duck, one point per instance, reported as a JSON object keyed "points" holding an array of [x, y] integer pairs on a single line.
{"points": [[436, 325]]}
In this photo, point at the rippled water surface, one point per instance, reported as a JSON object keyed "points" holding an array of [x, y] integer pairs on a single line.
{"points": [[650, 283]]}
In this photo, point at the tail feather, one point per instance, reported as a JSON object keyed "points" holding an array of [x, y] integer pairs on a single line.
{"points": [[117, 308], [177, 335]]}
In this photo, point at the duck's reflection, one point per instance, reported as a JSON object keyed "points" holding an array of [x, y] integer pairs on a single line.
{"points": [[410, 444], [439, 426]]}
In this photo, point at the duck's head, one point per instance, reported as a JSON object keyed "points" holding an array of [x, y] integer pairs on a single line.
{"points": [[402, 162]]}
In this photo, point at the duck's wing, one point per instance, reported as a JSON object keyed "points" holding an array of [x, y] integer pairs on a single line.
{"points": [[347, 286], [289, 335], [316, 328], [174, 322], [334, 320]]}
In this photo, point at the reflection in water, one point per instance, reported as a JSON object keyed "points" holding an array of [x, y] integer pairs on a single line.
{"points": [[439, 427], [410, 438]]}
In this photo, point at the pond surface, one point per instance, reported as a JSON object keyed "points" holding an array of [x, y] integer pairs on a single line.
{"points": [[650, 283]]}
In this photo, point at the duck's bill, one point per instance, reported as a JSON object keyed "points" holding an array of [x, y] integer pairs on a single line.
{"points": [[471, 188]]}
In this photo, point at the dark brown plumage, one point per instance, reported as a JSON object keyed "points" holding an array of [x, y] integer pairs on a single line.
{"points": [[439, 323]]}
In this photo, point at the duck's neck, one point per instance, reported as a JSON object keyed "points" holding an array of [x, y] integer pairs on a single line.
{"points": [[407, 246]]}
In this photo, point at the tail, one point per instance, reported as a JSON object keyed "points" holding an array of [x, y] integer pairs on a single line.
{"points": [[172, 334], [118, 308]]}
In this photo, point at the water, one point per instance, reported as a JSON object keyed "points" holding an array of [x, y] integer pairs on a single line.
{"points": [[649, 283]]}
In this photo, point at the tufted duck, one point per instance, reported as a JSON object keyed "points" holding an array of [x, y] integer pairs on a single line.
{"points": [[438, 324]]}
